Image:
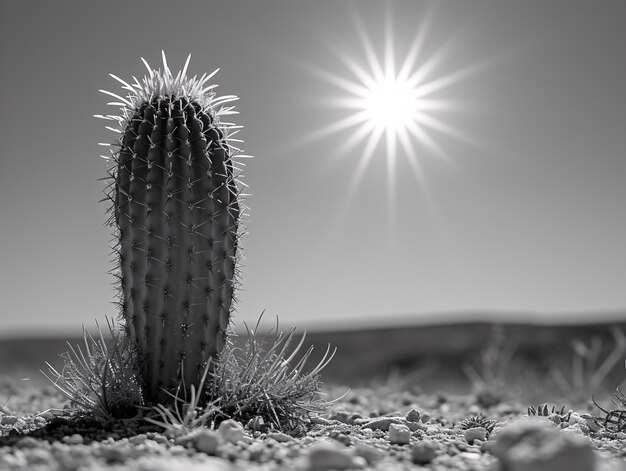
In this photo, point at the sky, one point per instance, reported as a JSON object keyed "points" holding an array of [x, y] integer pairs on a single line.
{"points": [[502, 196]]}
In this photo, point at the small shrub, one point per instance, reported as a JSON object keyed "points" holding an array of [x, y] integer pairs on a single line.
{"points": [[542, 410], [589, 369], [101, 380], [614, 420], [185, 416], [270, 383], [478, 421]]}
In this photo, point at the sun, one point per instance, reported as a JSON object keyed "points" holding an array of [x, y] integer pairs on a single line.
{"points": [[391, 103], [394, 103]]}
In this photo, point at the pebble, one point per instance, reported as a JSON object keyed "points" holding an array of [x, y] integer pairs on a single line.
{"points": [[341, 416], [74, 439], [257, 424], [207, 441], [341, 438], [423, 452], [320, 421], [367, 452], [230, 431], [413, 426], [475, 433], [413, 416], [529, 444], [399, 434], [326, 456], [279, 437], [382, 423], [8, 420], [256, 451]]}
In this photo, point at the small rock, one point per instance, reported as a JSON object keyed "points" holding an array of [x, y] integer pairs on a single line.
{"points": [[207, 441], [470, 456], [279, 437], [320, 421], [413, 426], [8, 419], [230, 431], [462, 446], [341, 416], [382, 423], [257, 424], [525, 445], [367, 452], [161, 439], [326, 456], [475, 433], [399, 434], [354, 416], [138, 439], [592, 424], [74, 439], [186, 439], [413, 416], [340, 437], [423, 452], [112, 455], [256, 451]]}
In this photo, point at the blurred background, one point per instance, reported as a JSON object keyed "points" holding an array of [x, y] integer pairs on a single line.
{"points": [[501, 200]]}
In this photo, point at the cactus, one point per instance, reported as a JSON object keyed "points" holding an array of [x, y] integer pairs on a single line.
{"points": [[176, 207]]}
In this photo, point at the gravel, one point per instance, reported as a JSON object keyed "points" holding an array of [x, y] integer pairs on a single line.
{"points": [[369, 429]]}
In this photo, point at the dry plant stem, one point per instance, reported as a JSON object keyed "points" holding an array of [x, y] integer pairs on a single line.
{"points": [[495, 360], [586, 375], [191, 417], [3, 407]]}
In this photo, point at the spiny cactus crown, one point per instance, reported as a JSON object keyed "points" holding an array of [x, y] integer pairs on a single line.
{"points": [[162, 83]]}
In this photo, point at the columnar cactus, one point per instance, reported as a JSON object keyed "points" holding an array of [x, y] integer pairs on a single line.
{"points": [[176, 206]]}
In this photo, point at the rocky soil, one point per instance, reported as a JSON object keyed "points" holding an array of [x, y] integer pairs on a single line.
{"points": [[369, 429]]}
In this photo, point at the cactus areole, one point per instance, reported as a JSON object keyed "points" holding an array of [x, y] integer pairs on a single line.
{"points": [[175, 208]]}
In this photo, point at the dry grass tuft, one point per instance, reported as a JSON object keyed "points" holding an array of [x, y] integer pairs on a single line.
{"points": [[268, 382], [99, 379]]}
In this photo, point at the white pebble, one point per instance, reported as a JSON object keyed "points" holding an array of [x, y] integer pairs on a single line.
{"points": [[475, 433], [399, 434], [230, 431]]}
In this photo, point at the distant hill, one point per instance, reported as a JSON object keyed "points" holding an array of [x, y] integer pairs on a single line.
{"points": [[366, 353]]}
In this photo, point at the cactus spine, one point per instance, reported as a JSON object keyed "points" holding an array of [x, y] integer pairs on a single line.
{"points": [[176, 207]]}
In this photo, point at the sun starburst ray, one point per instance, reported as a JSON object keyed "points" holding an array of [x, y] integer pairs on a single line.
{"points": [[362, 165], [375, 67]]}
